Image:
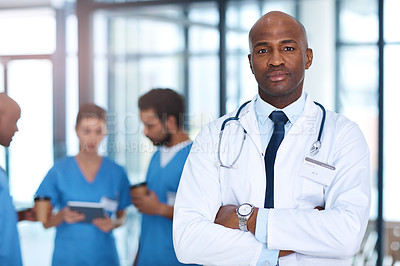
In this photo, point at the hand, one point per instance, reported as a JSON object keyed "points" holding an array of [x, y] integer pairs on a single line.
{"points": [[104, 224], [283, 253], [227, 217], [71, 217], [148, 204], [27, 215]]}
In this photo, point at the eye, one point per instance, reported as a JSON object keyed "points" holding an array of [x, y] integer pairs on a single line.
{"points": [[262, 51], [288, 48]]}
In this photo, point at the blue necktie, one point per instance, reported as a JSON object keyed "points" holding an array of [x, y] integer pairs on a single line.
{"points": [[279, 118]]}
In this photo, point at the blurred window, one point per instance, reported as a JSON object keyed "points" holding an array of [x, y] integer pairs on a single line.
{"points": [[391, 136], [27, 32], [358, 21], [392, 20], [31, 152]]}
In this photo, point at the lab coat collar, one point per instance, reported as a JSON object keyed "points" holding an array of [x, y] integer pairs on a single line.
{"points": [[248, 119], [310, 107], [309, 116], [292, 111]]}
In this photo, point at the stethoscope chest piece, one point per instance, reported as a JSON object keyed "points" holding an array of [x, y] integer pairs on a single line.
{"points": [[315, 148]]}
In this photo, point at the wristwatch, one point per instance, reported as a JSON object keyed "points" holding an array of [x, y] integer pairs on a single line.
{"points": [[243, 212]]}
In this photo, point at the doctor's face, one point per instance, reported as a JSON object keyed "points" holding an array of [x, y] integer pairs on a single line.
{"points": [[278, 58], [154, 128], [90, 132]]}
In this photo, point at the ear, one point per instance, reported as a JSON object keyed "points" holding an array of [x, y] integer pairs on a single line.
{"points": [[251, 65], [309, 57], [171, 123]]}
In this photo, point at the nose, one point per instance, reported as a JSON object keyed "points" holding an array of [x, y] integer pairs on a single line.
{"points": [[276, 59], [145, 131]]}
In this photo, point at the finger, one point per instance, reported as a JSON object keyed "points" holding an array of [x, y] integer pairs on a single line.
{"points": [[138, 197], [137, 200], [137, 205], [96, 221], [76, 217], [283, 253]]}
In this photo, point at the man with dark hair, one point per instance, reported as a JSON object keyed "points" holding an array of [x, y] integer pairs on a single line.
{"points": [[162, 113], [164, 102]]}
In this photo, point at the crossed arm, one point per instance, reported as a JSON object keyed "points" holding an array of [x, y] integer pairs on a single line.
{"points": [[227, 217]]}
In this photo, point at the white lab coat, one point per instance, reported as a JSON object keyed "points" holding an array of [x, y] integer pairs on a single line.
{"points": [[329, 237]]}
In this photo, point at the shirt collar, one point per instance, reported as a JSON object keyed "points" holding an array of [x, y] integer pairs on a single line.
{"points": [[176, 147], [292, 111]]}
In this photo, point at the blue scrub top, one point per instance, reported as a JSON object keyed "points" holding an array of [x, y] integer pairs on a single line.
{"points": [[83, 243], [155, 243], [10, 251]]}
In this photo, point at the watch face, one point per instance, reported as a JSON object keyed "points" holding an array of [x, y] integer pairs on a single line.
{"points": [[245, 209]]}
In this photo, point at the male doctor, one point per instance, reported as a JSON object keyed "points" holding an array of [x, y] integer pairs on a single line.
{"points": [[162, 113], [257, 194]]}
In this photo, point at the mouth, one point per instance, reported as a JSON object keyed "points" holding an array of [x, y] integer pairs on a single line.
{"points": [[277, 75]]}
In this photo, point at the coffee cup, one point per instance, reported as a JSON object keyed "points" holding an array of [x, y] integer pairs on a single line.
{"points": [[139, 189], [42, 209]]}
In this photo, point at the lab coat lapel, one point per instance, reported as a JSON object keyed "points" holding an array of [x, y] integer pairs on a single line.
{"points": [[294, 147], [248, 119], [304, 130]]}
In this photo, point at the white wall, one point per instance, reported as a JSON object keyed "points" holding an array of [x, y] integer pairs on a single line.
{"points": [[319, 19]]}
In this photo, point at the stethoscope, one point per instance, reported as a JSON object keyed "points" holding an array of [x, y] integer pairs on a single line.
{"points": [[316, 146]]}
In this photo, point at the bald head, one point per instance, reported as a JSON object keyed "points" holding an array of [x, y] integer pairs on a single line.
{"points": [[273, 20], [10, 112], [6, 103], [279, 56]]}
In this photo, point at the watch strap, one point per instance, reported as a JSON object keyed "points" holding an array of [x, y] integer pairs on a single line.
{"points": [[244, 218], [243, 223]]}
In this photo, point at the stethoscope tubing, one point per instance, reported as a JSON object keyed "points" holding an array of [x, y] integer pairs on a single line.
{"points": [[236, 117], [321, 127]]}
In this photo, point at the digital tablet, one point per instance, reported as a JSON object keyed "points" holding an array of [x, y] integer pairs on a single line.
{"points": [[91, 210]]}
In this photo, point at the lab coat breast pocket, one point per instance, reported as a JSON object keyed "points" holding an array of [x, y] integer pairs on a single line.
{"points": [[315, 178]]}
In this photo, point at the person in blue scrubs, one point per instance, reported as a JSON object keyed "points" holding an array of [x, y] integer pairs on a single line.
{"points": [[86, 177], [162, 113], [10, 251]]}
